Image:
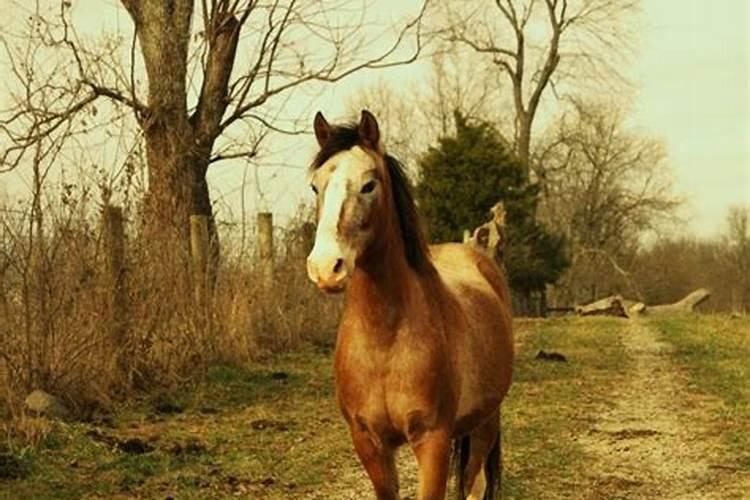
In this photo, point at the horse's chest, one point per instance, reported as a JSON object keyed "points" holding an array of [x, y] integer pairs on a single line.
{"points": [[395, 393]]}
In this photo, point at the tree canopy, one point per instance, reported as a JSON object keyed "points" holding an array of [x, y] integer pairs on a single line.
{"points": [[464, 176]]}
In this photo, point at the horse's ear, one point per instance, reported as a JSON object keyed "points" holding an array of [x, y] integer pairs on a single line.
{"points": [[322, 129], [368, 130]]}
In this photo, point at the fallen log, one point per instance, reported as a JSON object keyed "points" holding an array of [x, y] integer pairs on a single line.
{"points": [[685, 305], [616, 305]]}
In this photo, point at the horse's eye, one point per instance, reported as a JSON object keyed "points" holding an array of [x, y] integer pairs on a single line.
{"points": [[368, 188], [315, 190]]}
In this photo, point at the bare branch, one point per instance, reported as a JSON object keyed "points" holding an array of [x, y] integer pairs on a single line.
{"points": [[531, 57]]}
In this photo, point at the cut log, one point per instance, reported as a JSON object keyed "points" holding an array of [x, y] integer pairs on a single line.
{"points": [[614, 305], [686, 305]]}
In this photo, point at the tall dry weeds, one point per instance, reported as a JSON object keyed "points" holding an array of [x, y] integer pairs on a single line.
{"points": [[56, 301]]}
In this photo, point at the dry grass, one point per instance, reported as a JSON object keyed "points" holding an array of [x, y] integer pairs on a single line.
{"points": [[58, 327]]}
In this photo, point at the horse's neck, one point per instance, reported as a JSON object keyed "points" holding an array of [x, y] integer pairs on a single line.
{"points": [[381, 288]]}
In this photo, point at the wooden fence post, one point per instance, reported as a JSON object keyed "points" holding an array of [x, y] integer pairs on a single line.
{"points": [[265, 247], [114, 247], [199, 249]]}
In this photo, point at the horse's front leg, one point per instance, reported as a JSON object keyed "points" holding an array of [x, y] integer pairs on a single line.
{"points": [[379, 463], [433, 449]]}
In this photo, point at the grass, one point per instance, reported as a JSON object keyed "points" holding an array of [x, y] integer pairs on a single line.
{"points": [[714, 351], [271, 429], [550, 401], [265, 431]]}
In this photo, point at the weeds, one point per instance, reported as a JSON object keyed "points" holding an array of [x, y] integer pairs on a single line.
{"points": [[57, 320]]}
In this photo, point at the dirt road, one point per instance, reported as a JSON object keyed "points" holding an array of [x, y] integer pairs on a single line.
{"points": [[657, 440]]}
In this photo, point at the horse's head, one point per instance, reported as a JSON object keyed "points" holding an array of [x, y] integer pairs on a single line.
{"points": [[351, 183]]}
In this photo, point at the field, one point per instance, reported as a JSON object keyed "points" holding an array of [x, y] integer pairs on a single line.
{"points": [[640, 409]]}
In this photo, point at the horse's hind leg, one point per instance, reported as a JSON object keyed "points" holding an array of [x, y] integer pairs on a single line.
{"points": [[379, 462], [477, 479]]}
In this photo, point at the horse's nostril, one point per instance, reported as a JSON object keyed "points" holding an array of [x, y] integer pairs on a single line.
{"points": [[338, 266]]}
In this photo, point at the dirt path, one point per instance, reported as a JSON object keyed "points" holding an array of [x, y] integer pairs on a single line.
{"points": [[658, 440]]}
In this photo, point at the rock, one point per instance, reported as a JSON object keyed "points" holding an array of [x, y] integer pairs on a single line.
{"points": [[40, 403], [636, 308], [551, 356]]}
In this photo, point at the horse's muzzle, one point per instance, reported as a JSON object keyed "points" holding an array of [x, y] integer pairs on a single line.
{"points": [[330, 275]]}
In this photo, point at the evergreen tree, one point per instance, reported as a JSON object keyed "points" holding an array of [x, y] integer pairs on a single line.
{"points": [[463, 177]]}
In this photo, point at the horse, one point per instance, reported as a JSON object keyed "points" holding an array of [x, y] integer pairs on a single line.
{"points": [[424, 349]]}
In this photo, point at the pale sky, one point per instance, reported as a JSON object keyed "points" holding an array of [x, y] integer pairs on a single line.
{"points": [[693, 77], [691, 73]]}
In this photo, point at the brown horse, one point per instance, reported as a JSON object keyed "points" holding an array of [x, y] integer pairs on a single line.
{"points": [[424, 351]]}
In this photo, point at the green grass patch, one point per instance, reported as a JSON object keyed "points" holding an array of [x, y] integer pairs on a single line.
{"points": [[550, 401], [267, 429], [715, 351]]}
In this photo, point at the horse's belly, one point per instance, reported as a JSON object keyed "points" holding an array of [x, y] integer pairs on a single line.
{"points": [[484, 353]]}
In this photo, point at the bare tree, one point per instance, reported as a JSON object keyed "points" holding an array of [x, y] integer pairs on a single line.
{"points": [[210, 67], [416, 114], [536, 43], [401, 120], [604, 186], [737, 242]]}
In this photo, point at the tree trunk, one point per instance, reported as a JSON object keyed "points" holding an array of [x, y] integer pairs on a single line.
{"points": [[523, 140], [177, 190], [685, 305], [615, 305], [178, 146], [175, 177]]}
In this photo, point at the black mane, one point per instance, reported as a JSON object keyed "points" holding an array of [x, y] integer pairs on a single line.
{"points": [[345, 137]]}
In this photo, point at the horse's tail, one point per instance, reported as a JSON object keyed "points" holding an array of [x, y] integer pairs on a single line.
{"points": [[461, 450], [493, 470], [492, 467]]}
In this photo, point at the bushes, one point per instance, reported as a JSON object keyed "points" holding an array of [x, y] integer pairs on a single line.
{"points": [[463, 177]]}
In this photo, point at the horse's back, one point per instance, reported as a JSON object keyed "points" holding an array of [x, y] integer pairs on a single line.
{"points": [[484, 340], [460, 265]]}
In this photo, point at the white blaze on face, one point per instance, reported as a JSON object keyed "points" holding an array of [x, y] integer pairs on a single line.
{"points": [[332, 259]]}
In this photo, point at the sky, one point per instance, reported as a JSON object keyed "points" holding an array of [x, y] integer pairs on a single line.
{"points": [[691, 76]]}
